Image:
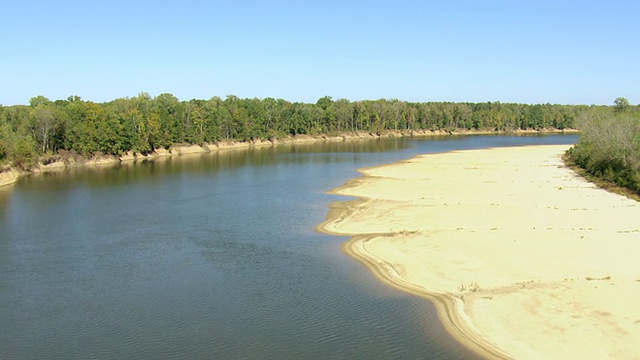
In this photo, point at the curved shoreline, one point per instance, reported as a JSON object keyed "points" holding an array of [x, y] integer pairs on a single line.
{"points": [[445, 306], [566, 277]]}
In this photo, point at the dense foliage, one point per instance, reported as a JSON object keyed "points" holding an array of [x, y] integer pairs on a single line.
{"points": [[609, 145], [144, 123]]}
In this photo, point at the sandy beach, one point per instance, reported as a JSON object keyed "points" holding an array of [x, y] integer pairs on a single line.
{"points": [[522, 257]]}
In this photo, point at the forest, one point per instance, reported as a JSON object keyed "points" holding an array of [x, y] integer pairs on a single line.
{"points": [[609, 145], [45, 128]]}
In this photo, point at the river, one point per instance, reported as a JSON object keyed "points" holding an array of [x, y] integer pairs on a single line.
{"points": [[208, 256]]}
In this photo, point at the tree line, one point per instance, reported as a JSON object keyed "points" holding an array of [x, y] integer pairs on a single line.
{"points": [[144, 123], [609, 144]]}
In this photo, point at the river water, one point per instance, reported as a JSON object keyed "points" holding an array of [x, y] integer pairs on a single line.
{"points": [[208, 256]]}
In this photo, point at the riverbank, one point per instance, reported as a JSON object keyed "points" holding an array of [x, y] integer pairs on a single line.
{"points": [[522, 257], [10, 175]]}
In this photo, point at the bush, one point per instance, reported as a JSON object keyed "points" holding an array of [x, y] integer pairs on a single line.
{"points": [[609, 147]]}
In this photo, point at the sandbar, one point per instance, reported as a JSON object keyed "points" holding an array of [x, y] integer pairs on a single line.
{"points": [[522, 257]]}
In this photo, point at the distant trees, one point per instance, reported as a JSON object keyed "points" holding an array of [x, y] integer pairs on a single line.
{"points": [[609, 145], [144, 123]]}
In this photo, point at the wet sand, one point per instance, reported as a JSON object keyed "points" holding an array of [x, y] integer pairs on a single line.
{"points": [[522, 257]]}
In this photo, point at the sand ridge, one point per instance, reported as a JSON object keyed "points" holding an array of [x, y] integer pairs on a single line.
{"points": [[525, 258]]}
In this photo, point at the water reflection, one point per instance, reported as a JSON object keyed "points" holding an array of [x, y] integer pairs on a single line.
{"points": [[5, 199]]}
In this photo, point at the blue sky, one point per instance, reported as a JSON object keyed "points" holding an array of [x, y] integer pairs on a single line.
{"points": [[568, 52]]}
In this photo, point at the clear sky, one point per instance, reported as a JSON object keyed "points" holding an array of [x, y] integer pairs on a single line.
{"points": [[567, 52]]}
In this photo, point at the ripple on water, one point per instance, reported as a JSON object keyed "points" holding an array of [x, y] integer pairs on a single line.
{"points": [[210, 257]]}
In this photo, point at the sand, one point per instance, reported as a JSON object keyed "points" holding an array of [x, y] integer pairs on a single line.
{"points": [[522, 257], [8, 176]]}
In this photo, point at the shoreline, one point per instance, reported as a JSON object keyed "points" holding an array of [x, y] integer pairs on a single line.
{"points": [[528, 260], [446, 306], [10, 175]]}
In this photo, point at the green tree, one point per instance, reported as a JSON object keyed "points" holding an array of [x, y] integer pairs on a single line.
{"points": [[609, 147], [24, 152], [211, 112], [44, 124], [324, 102], [621, 105], [171, 128], [6, 137]]}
